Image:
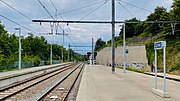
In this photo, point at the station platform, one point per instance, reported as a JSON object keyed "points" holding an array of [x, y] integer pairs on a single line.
{"points": [[15, 73], [168, 76], [99, 84]]}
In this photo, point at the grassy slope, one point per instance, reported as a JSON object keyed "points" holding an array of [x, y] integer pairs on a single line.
{"points": [[172, 50]]}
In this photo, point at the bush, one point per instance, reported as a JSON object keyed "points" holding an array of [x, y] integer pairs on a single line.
{"points": [[133, 69], [175, 67], [34, 59]]}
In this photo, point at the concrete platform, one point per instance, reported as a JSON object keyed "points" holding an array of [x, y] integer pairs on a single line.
{"points": [[15, 73], [98, 84], [168, 76], [11, 77], [161, 93]]}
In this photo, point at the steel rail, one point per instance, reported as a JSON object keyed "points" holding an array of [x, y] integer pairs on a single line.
{"points": [[32, 84], [33, 78], [64, 78], [66, 96], [12, 76]]}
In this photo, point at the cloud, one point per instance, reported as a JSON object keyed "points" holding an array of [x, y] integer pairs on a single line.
{"points": [[80, 33]]}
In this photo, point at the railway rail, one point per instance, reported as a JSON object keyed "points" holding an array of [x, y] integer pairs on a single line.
{"points": [[25, 90], [25, 73], [62, 89], [45, 72]]}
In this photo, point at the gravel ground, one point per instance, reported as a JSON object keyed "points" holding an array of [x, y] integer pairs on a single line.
{"points": [[73, 94], [61, 90], [34, 92], [9, 81]]}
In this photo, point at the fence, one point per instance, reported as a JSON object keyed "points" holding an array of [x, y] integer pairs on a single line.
{"points": [[28, 64]]}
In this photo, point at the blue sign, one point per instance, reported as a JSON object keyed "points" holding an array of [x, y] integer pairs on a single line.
{"points": [[159, 45]]}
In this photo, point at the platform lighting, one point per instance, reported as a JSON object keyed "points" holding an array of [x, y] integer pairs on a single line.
{"points": [[19, 46]]}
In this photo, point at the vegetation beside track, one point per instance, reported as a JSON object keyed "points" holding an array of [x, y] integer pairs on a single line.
{"points": [[133, 69], [35, 51]]}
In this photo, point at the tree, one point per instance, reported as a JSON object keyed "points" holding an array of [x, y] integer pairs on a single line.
{"points": [[159, 14], [100, 44], [131, 29], [2, 29], [175, 13], [2, 60]]}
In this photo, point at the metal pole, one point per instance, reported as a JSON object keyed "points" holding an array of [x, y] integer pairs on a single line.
{"points": [[74, 56], [113, 35], [155, 82], [164, 52], [124, 44], [69, 54], [62, 48], [19, 67], [92, 53], [51, 55], [19, 48]]}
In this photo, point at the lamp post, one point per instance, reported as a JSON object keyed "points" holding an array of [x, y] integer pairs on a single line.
{"points": [[92, 52], [19, 46], [51, 55]]}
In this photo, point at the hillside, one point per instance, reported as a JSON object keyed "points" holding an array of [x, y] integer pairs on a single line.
{"points": [[172, 50], [147, 34]]}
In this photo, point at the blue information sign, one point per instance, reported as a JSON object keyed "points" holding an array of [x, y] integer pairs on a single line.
{"points": [[159, 45]]}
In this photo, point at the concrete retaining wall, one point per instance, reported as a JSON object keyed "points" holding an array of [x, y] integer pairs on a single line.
{"points": [[136, 56]]}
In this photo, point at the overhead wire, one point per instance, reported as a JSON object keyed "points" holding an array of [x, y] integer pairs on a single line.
{"points": [[56, 9], [45, 9], [61, 17], [71, 40], [93, 11], [49, 13], [58, 14], [63, 20], [18, 24], [71, 11], [134, 6], [15, 10], [54, 18], [125, 9], [20, 14], [80, 8]]}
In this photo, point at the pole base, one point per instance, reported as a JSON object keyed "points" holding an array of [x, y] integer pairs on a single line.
{"points": [[113, 72], [161, 93]]}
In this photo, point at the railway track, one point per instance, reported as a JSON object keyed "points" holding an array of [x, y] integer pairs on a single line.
{"points": [[25, 89], [45, 72], [35, 71], [62, 89]]}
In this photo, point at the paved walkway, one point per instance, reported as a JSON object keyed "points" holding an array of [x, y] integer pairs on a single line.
{"points": [[98, 84]]}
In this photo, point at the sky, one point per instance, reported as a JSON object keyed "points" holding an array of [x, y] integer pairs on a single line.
{"points": [[78, 34]]}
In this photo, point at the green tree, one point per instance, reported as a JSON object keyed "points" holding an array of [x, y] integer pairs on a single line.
{"points": [[175, 14], [159, 14], [131, 29], [100, 44], [2, 60]]}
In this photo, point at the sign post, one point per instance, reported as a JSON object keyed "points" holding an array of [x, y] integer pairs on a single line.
{"points": [[160, 45]]}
